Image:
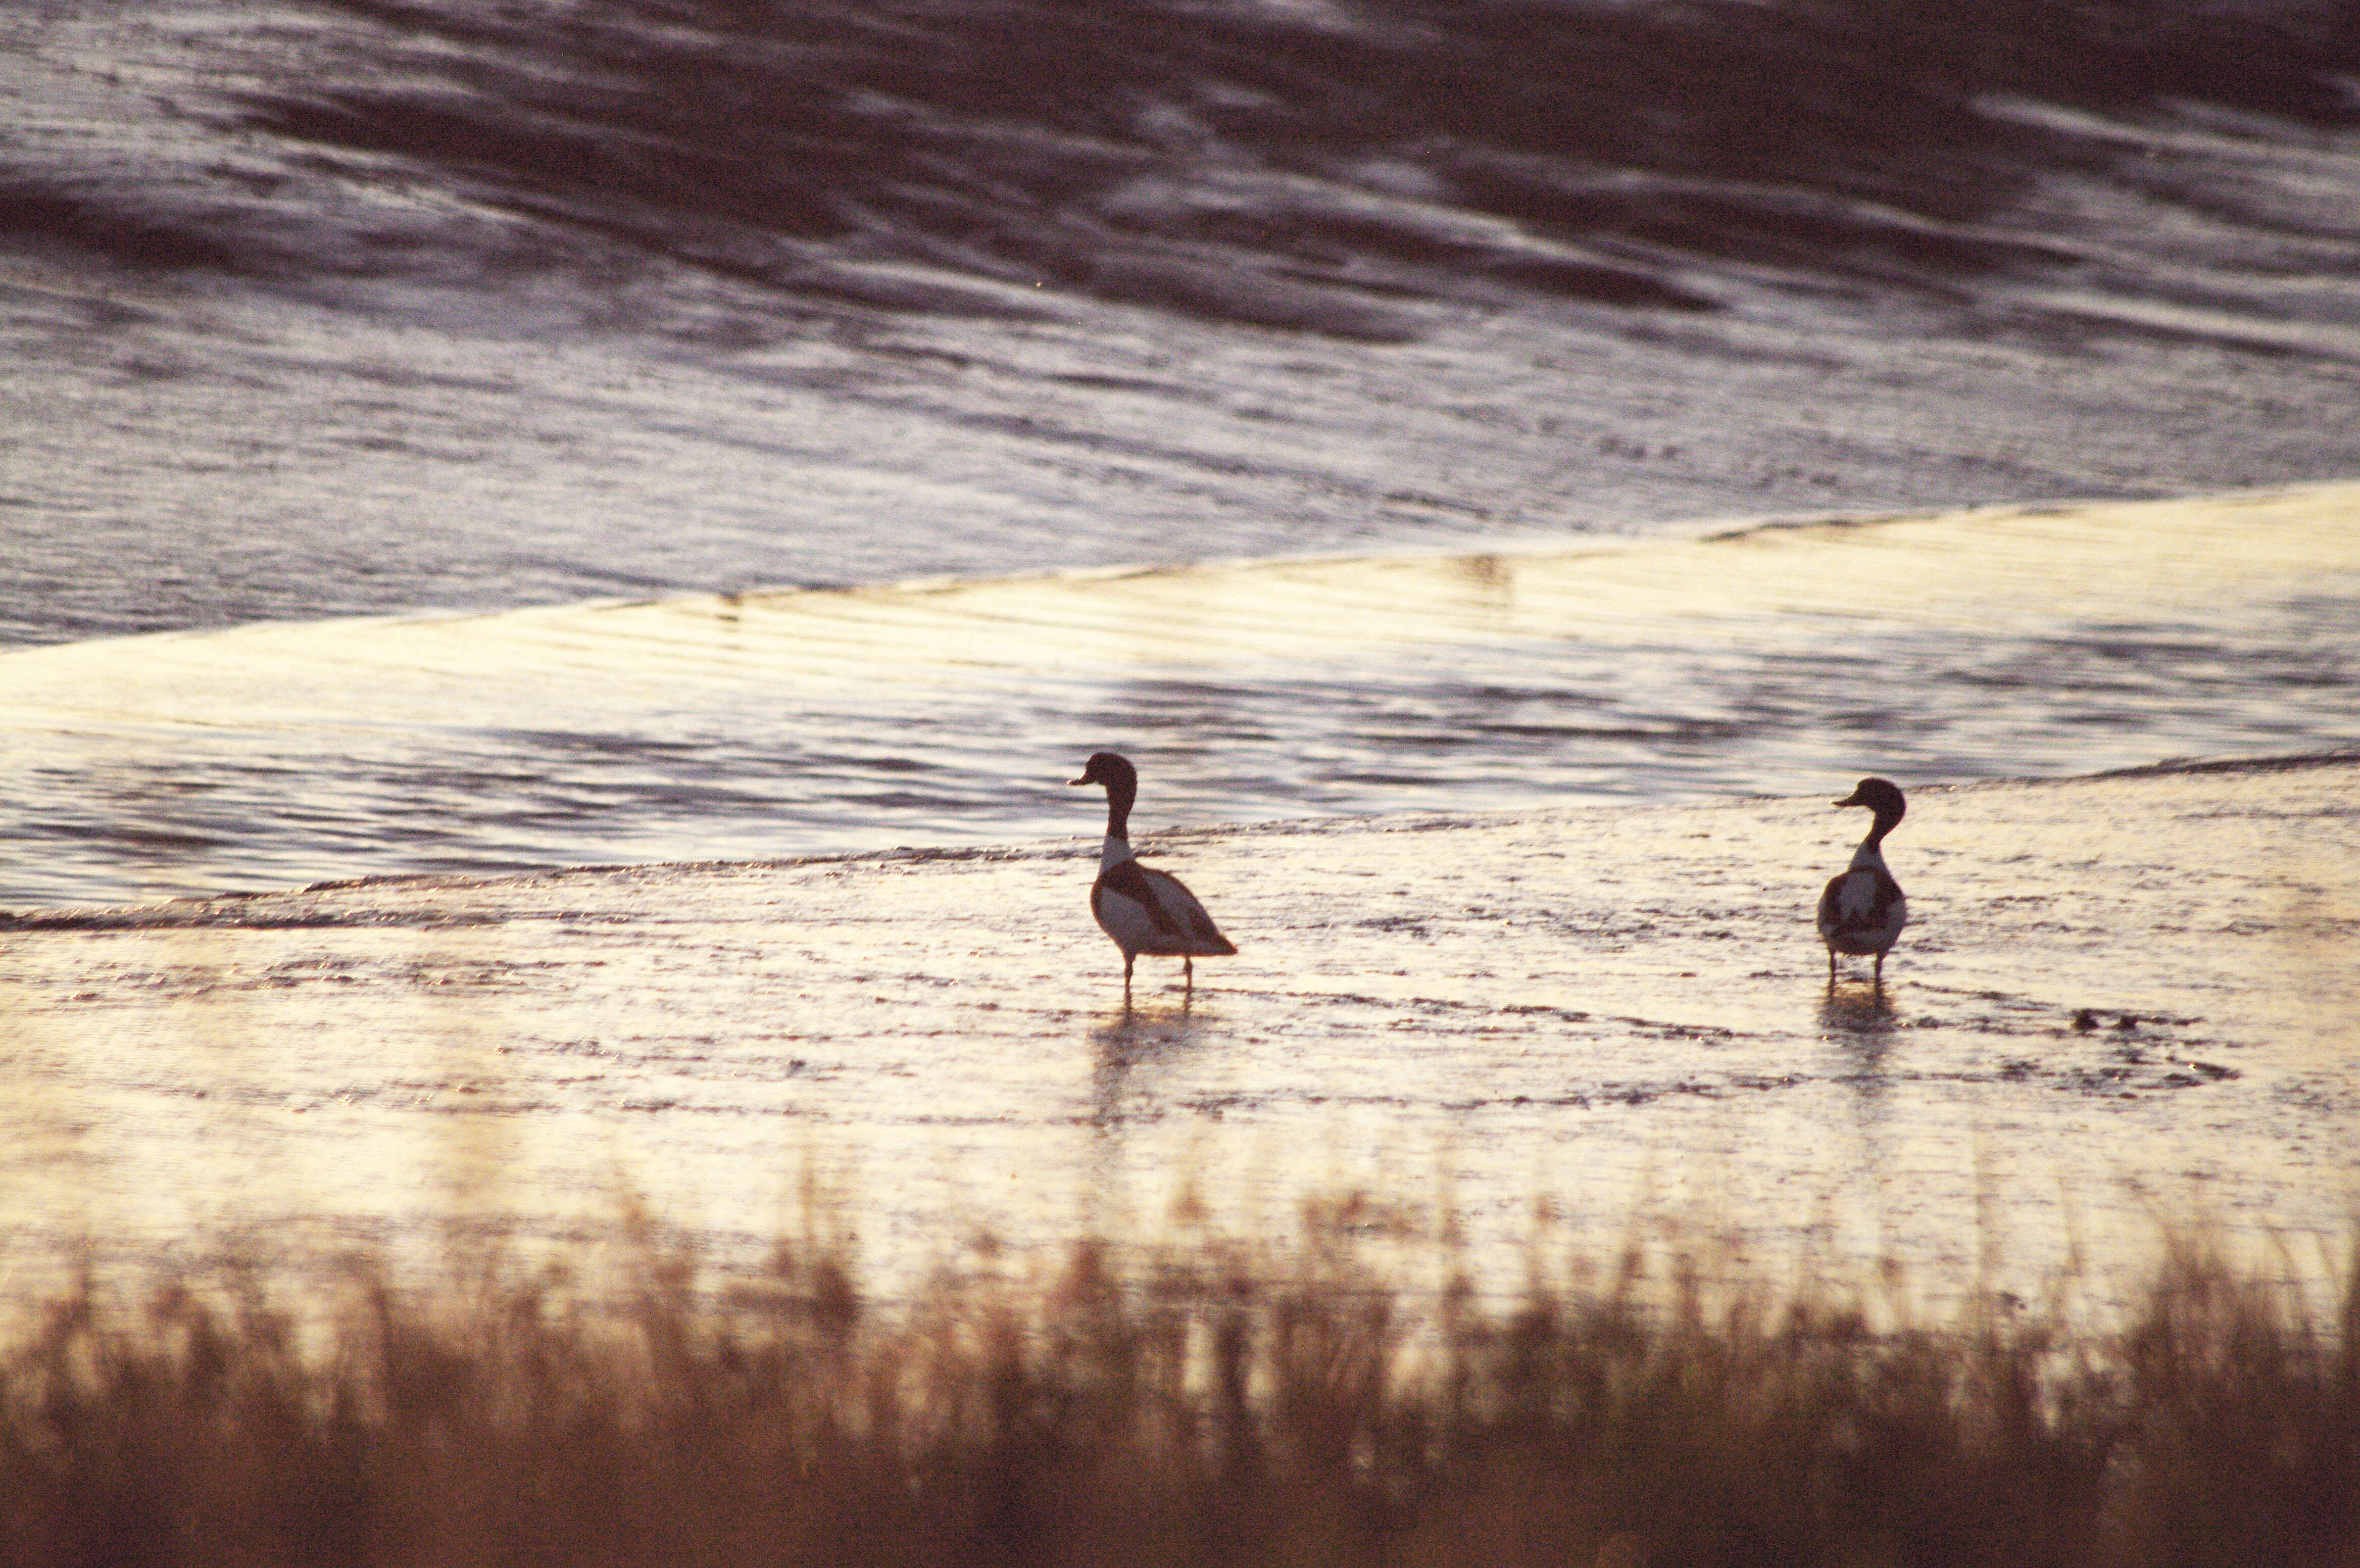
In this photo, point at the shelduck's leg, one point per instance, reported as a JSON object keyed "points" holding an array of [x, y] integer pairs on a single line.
{"points": [[1832, 969], [1128, 960], [1880, 972], [1188, 976]]}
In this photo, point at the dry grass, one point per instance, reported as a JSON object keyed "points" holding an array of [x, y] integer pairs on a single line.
{"points": [[1185, 1411]]}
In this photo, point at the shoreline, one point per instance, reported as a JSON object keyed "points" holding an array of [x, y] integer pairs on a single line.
{"points": [[198, 907]]}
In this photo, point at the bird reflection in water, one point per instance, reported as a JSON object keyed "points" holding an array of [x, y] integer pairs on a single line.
{"points": [[1861, 1021], [1134, 1038]]}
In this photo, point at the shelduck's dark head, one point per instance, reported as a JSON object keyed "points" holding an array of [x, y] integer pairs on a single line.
{"points": [[1882, 796], [1111, 769], [1121, 780]]}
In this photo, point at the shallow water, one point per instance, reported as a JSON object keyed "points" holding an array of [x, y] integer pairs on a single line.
{"points": [[2121, 1004]]}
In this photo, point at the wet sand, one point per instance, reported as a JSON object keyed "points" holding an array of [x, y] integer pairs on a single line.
{"points": [[2123, 1001]]}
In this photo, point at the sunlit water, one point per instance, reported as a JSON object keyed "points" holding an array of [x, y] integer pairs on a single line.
{"points": [[1779, 660], [2121, 1004]]}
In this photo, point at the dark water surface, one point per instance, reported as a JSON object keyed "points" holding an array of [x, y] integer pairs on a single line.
{"points": [[317, 307]]}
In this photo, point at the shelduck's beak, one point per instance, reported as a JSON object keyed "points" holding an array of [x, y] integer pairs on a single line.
{"points": [[1852, 799], [1084, 779]]}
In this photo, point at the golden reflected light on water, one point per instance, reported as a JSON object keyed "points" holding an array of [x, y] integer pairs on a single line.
{"points": [[2113, 1008], [2002, 644]]}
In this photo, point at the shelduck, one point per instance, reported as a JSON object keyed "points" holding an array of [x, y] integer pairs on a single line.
{"points": [[1144, 910], [1863, 911]]}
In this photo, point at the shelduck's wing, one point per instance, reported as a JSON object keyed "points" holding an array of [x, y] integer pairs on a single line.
{"points": [[1148, 911], [1831, 904], [1180, 905], [1129, 881]]}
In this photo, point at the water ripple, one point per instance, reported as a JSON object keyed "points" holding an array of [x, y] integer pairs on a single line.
{"points": [[1782, 659]]}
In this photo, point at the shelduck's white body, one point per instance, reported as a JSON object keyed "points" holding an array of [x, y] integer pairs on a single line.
{"points": [[1863, 910], [1142, 909]]}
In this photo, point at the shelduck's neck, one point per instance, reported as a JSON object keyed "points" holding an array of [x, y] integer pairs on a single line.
{"points": [[1117, 834], [1871, 852]]}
